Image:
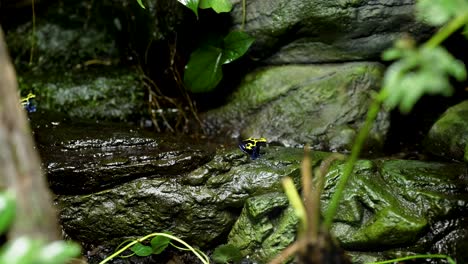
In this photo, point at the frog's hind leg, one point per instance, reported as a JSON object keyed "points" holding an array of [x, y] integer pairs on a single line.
{"points": [[255, 153]]}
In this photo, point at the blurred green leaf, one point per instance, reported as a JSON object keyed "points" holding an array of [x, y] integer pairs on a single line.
{"points": [[203, 71], [159, 243], [418, 72], [7, 210], [439, 12], [226, 253], [58, 252], [191, 4], [141, 4], [219, 6], [392, 54], [22, 250], [451, 261], [236, 44], [141, 250]]}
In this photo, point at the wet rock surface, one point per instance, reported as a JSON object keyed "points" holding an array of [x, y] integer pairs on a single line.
{"points": [[110, 154], [200, 207], [390, 206], [317, 31]]}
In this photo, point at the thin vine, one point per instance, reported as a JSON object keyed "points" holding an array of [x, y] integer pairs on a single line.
{"points": [[200, 255], [33, 34], [428, 256], [244, 14]]}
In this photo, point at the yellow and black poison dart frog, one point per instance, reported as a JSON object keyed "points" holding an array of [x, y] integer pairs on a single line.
{"points": [[251, 146], [28, 104]]}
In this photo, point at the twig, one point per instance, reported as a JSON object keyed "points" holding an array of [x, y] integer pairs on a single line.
{"points": [[286, 253]]}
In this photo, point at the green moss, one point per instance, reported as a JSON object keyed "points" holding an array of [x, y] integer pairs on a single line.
{"points": [[110, 94], [272, 102], [259, 231], [350, 3], [387, 204]]}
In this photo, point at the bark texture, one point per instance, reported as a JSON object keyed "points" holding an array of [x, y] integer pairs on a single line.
{"points": [[20, 169]]}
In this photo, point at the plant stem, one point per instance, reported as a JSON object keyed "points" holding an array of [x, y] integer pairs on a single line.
{"points": [[33, 34], [310, 201], [446, 31], [357, 146], [438, 256], [243, 15], [296, 202]]}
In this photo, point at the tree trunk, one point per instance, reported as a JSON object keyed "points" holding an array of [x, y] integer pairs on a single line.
{"points": [[20, 170]]}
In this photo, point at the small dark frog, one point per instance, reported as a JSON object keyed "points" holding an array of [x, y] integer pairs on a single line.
{"points": [[251, 146]]}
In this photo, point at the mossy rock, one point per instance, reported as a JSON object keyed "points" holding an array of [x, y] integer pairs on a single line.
{"points": [[390, 208], [448, 137], [107, 94], [315, 31], [320, 105]]}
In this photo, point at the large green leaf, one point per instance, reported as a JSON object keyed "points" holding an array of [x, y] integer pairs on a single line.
{"points": [[236, 44], [212, 39], [191, 4], [203, 71], [141, 250], [159, 243], [219, 6]]}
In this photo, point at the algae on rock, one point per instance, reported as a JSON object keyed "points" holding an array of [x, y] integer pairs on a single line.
{"points": [[109, 94], [394, 204], [397, 205], [319, 105], [200, 205], [266, 226]]}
